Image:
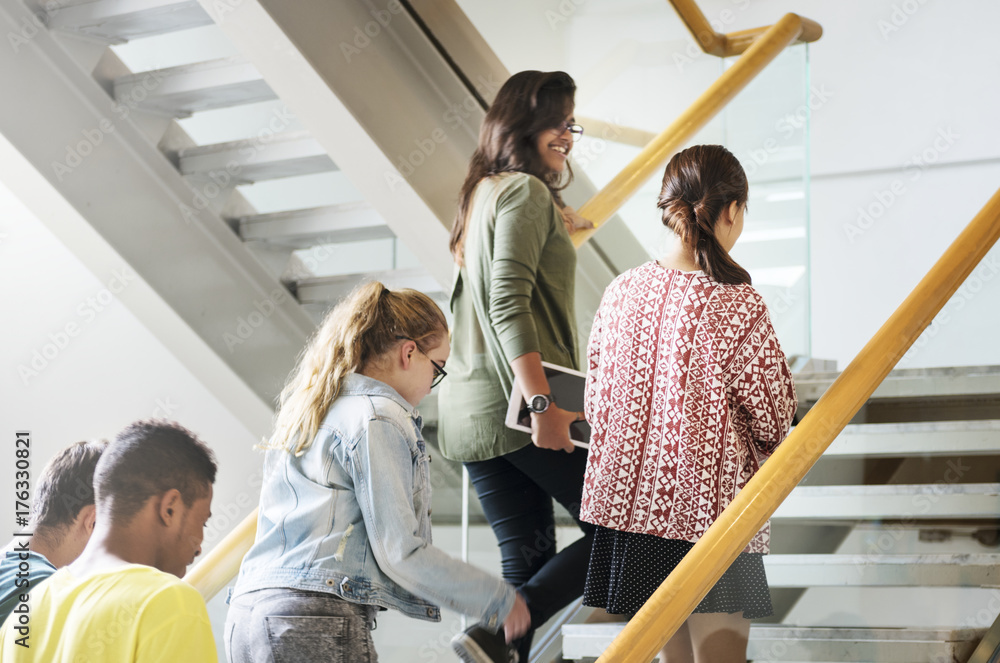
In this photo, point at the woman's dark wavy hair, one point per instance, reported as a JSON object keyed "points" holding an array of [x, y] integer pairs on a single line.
{"points": [[699, 185], [529, 103]]}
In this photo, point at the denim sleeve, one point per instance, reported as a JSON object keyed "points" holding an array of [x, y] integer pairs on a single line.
{"points": [[382, 466]]}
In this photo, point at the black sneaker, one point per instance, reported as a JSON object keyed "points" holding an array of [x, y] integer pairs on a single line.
{"points": [[479, 645]]}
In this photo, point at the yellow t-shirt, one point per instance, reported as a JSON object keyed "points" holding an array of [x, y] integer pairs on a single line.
{"points": [[132, 614]]}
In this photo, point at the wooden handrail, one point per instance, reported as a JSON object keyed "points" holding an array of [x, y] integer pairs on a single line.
{"points": [[733, 43], [764, 50], [702, 567]]}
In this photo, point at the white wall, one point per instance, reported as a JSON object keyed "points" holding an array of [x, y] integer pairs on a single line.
{"points": [[107, 370]]}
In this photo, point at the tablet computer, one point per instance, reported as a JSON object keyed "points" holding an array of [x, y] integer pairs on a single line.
{"points": [[567, 388]]}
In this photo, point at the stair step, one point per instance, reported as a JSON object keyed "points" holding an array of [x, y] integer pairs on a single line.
{"points": [[118, 21], [913, 382], [934, 438], [792, 643], [946, 570], [330, 289], [300, 229], [893, 502], [180, 91], [286, 155]]}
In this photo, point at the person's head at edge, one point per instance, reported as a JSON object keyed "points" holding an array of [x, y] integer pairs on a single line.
{"points": [[397, 336], [63, 511], [526, 130], [703, 200], [153, 488]]}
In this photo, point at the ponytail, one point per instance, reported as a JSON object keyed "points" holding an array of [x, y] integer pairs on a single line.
{"points": [[699, 185], [357, 332]]}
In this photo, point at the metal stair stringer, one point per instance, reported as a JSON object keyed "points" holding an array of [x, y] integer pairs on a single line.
{"points": [[65, 124]]}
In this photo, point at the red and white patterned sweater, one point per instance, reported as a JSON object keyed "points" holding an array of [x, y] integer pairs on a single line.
{"points": [[687, 393]]}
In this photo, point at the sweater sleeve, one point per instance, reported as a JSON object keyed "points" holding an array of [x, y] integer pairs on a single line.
{"points": [[760, 381], [523, 225]]}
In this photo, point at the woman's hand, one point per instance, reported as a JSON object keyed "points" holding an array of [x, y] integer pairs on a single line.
{"points": [[518, 620], [550, 429], [573, 221]]}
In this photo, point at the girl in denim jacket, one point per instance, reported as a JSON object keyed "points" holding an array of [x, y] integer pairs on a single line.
{"points": [[344, 528]]}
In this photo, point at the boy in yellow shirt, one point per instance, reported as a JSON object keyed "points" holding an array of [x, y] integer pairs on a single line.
{"points": [[122, 600]]}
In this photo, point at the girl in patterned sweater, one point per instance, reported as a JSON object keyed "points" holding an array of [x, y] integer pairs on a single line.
{"points": [[688, 392]]}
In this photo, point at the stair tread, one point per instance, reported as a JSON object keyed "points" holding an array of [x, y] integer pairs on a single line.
{"points": [[116, 21], [938, 489], [776, 559], [287, 137], [913, 382], [918, 634]]}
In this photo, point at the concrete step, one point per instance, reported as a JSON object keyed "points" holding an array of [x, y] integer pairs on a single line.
{"points": [[913, 383], [892, 502], [933, 438], [300, 229], [946, 570], [180, 91], [585, 642], [240, 162], [330, 289], [118, 21]]}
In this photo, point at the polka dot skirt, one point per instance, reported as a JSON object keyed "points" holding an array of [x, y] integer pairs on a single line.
{"points": [[626, 568]]}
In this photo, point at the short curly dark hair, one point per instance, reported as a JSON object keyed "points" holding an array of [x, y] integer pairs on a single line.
{"points": [[147, 459], [66, 485]]}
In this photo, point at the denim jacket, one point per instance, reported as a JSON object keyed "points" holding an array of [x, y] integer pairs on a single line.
{"points": [[351, 516]]}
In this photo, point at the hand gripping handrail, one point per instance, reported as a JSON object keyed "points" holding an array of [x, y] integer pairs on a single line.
{"points": [[691, 580], [762, 52]]}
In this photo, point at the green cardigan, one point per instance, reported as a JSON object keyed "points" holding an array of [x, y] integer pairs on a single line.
{"points": [[513, 295]]}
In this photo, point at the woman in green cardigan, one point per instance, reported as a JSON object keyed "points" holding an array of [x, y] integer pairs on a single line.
{"points": [[513, 306]]}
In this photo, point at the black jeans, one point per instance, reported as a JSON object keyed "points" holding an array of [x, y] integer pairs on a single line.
{"points": [[516, 492]]}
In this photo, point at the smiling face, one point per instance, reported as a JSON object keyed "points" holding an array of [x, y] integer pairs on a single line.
{"points": [[555, 144]]}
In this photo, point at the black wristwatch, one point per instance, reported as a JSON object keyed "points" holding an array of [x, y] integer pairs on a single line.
{"points": [[540, 403]]}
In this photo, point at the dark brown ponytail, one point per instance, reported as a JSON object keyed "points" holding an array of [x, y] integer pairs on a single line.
{"points": [[699, 185]]}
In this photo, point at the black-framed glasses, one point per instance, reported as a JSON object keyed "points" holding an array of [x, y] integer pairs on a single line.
{"points": [[575, 129], [439, 372]]}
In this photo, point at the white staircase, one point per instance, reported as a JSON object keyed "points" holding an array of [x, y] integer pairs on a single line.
{"points": [[279, 149], [888, 504]]}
